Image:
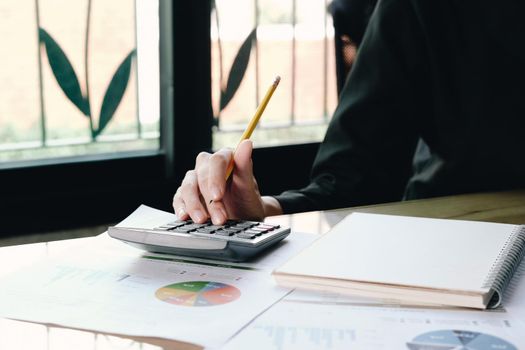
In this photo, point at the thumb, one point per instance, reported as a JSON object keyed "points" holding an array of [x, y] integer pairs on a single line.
{"points": [[243, 161]]}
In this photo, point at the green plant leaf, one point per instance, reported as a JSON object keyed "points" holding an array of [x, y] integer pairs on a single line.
{"points": [[238, 69], [63, 71], [114, 93]]}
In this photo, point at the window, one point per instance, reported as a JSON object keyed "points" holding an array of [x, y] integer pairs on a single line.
{"points": [[252, 42], [78, 78], [72, 155]]}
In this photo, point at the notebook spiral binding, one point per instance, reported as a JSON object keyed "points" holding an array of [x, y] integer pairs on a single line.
{"points": [[506, 264]]}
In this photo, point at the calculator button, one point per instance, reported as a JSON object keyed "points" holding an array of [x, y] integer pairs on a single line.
{"points": [[259, 229], [207, 228], [251, 223], [230, 230], [243, 225], [194, 226], [224, 233], [204, 230], [252, 232], [268, 227]]}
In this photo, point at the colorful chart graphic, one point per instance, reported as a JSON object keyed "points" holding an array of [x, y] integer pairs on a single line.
{"points": [[458, 340], [198, 293]]}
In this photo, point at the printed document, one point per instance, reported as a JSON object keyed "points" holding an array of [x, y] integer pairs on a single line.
{"points": [[104, 285]]}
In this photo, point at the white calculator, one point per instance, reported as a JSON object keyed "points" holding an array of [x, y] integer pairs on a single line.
{"points": [[236, 240]]}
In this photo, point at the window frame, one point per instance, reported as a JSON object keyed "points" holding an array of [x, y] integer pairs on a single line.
{"points": [[61, 193]]}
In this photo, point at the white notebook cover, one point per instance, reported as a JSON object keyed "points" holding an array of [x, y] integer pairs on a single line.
{"points": [[407, 251]]}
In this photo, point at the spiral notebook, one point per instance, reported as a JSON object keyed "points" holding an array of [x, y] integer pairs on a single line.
{"points": [[412, 260]]}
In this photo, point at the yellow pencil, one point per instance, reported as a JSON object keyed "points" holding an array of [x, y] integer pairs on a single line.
{"points": [[253, 123]]}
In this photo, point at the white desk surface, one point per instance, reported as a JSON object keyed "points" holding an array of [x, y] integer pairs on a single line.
{"points": [[506, 207]]}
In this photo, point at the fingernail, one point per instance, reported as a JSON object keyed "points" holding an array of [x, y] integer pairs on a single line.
{"points": [[181, 213], [217, 219], [215, 193], [198, 216]]}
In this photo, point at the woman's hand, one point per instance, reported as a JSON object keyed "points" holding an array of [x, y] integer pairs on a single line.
{"points": [[205, 193]]}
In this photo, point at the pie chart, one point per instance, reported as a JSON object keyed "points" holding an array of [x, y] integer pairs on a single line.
{"points": [[458, 340], [198, 293]]}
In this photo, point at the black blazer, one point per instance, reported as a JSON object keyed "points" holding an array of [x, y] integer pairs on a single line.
{"points": [[435, 105]]}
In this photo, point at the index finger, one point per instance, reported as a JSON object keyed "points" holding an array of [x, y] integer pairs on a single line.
{"points": [[218, 163]]}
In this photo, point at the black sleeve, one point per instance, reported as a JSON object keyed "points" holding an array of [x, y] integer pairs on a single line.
{"points": [[367, 151]]}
